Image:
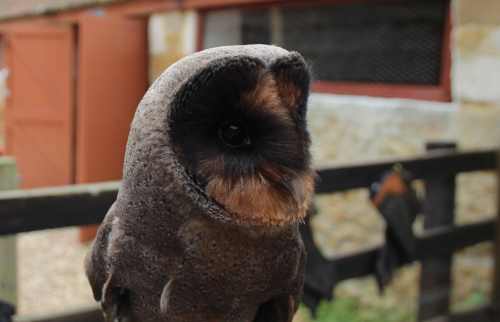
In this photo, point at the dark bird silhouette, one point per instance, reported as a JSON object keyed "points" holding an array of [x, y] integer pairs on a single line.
{"points": [[6, 311], [321, 274], [217, 177], [397, 202]]}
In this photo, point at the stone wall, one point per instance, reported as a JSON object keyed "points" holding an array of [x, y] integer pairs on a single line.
{"points": [[476, 71], [361, 128], [355, 128], [171, 36]]}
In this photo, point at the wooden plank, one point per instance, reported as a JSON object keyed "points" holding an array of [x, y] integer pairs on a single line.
{"points": [[105, 96], [39, 113], [350, 265], [432, 243], [8, 244], [35, 209], [87, 314], [94, 314], [87, 204], [495, 292], [433, 164], [439, 241], [435, 274], [481, 313]]}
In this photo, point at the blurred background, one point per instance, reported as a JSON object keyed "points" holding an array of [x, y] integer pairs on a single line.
{"points": [[390, 76]]}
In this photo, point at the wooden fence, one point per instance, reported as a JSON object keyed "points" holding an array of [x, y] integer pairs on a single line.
{"points": [[28, 210]]}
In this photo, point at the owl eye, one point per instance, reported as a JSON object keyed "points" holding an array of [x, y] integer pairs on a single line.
{"points": [[234, 133]]}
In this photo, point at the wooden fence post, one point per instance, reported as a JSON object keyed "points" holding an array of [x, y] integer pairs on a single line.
{"points": [[435, 278], [8, 255], [495, 292]]}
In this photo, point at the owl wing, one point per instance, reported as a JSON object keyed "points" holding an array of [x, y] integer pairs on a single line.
{"points": [[115, 301]]}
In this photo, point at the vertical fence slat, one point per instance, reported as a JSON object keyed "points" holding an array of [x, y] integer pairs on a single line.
{"points": [[8, 254], [435, 275], [495, 294]]}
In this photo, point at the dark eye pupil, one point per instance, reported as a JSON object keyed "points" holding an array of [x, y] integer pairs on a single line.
{"points": [[233, 133]]}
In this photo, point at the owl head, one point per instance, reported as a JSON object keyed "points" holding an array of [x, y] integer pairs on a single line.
{"points": [[237, 132]]}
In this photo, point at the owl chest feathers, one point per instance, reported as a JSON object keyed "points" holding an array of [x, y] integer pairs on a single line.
{"points": [[208, 267]]}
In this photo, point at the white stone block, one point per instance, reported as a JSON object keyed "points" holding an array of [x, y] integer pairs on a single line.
{"points": [[477, 78], [222, 28], [349, 128], [172, 31]]}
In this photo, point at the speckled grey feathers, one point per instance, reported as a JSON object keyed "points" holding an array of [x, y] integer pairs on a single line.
{"points": [[169, 251]]}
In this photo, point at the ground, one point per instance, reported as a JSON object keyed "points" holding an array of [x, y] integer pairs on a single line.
{"points": [[51, 274]]}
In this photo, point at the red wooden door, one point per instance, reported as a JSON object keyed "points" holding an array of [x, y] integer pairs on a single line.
{"points": [[112, 81], [39, 112]]}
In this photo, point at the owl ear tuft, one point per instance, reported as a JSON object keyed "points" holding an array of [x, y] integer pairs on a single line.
{"points": [[293, 79]]}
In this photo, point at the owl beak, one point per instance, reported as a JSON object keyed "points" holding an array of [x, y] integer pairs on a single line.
{"points": [[298, 189]]}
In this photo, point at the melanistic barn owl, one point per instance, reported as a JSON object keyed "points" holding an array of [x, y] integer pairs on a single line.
{"points": [[217, 177]]}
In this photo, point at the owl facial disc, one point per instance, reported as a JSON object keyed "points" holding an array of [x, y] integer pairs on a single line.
{"points": [[242, 137]]}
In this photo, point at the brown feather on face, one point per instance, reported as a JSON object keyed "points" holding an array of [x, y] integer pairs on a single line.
{"points": [[253, 188], [258, 200], [289, 91]]}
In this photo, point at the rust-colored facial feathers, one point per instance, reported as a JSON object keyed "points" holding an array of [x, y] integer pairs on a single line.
{"points": [[268, 181]]}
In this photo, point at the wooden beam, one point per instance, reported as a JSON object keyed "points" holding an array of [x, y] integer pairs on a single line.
{"points": [[8, 244], [359, 263], [481, 313], [35, 209], [435, 273], [435, 242], [495, 292], [432, 164], [478, 314], [91, 313]]}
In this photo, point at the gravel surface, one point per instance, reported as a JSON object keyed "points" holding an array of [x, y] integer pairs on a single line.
{"points": [[51, 274]]}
